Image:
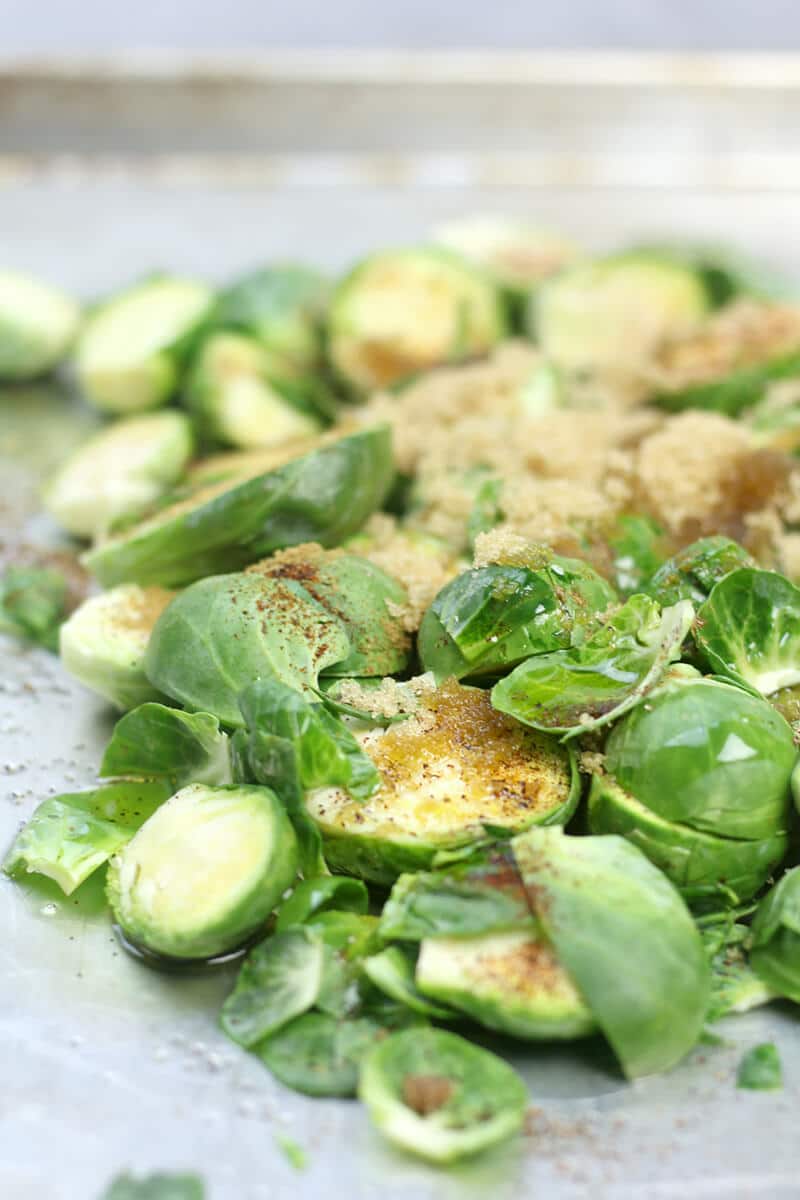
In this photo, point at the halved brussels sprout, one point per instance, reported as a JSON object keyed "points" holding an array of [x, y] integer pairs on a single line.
{"points": [[749, 630], [119, 472], [452, 771], [156, 742], [440, 1097], [592, 684], [237, 399], [323, 494], [70, 836], [775, 937], [204, 872], [132, 345], [103, 643], [627, 940], [282, 306], [708, 755], [701, 865], [511, 982], [693, 571], [37, 326], [403, 311], [488, 619], [612, 312], [727, 362]]}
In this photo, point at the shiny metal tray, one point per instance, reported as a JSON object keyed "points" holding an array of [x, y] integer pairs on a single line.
{"points": [[109, 169]]}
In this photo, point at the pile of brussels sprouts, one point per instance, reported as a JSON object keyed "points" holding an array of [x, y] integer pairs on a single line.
{"points": [[562, 808]]}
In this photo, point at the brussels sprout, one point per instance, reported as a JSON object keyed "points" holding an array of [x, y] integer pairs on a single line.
{"points": [[131, 348], [487, 620], [707, 755], [314, 896], [760, 1069], [692, 572], [70, 836], [156, 1187], [775, 940], [393, 972], [735, 987], [749, 630], [436, 1095], [282, 306], [511, 982], [449, 773], [625, 937], [403, 311], [576, 690], [223, 633], [104, 641], [37, 326], [482, 894], [613, 311], [701, 865], [34, 602], [726, 363], [204, 872], [156, 742], [279, 980], [119, 472], [323, 495], [237, 399]]}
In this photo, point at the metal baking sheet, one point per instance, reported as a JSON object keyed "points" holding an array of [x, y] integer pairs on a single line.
{"points": [[109, 169]]}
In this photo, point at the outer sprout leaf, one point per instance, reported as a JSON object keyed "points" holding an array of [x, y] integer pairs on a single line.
{"points": [[636, 543], [33, 603], [313, 896], [735, 987], [156, 742], [587, 686], [70, 836], [749, 630], [775, 953], [440, 1097], [279, 980], [393, 972], [760, 1069], [160, 1186], [626, 938], [692, 572]]}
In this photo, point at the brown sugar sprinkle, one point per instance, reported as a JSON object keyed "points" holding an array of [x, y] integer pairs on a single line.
{"points": [[425, 1094], [530, 968], [390, 699], [740, 335]]}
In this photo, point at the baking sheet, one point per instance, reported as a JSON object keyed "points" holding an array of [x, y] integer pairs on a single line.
{"points": [[106, 1064]]}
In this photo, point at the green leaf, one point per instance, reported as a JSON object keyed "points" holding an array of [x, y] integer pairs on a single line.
{"points": [[293, 1152], [587, 686], [393, 972], [627, 940], [775, 937], [33, 604], [225, 632], [636, 542], [313, 896], [70, 836], [760, 1069], [692, 572], [279, 980], [161, 1186], [749, 630], [156, 742], [735, 987]]}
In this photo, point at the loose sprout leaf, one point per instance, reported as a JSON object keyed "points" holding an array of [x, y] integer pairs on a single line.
{"points": [[587, 686], [627, 940], [281, 305], [362, 715], [482, 894], [760, 1069], [636, 542], [161, 1186], [292, 1151], [775, 953], [279, 980], [348, 938], [438, 1096], [33, 604], [735, 987], [749, 630], [156, 742], [487, 619], [692, 572], [393, 972], [313, 896], [225, 632], [70, 836]]}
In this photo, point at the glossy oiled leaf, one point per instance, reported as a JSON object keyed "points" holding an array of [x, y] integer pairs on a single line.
{"points": [[582, 688], [693, 571], [156, 742], [279, 980], [775, 954], [636, 542], [749, 630], [627, 940], [393, 972], [313, 896]]}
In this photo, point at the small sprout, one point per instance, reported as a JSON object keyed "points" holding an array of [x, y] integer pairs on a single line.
{"points": [[760, 1069]]}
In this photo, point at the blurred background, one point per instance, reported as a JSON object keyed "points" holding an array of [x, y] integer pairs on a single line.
{"points": [[60, 25]]}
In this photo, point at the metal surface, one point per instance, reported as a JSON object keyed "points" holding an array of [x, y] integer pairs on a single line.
{"points": [[105, 1064]]}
